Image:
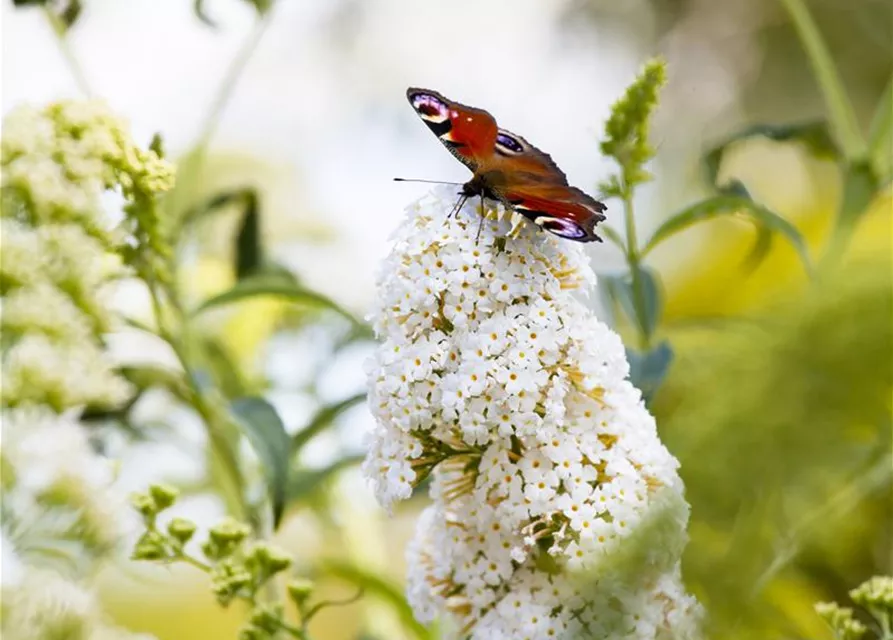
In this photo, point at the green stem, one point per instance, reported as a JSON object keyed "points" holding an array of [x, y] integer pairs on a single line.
{"points": [[65, 49], [190, 166], [231, 79], [215, 424], [195, 562], [840, 110], [633, 258]]}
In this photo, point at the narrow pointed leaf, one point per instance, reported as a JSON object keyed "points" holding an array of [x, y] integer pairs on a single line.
{"points": [[880, 136], [614, 236], [198, 8], [377, 586], [724, 205], [264, 429], [648, 370], [815, 136], [322, 419], [276, 287], [249, 252], [618, 289], [302, 484]]}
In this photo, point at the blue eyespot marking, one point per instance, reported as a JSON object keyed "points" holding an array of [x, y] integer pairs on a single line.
{"points": [[508, 143]]}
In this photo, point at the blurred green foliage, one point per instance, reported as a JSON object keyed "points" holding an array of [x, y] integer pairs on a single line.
{"points": [[782, 427]]}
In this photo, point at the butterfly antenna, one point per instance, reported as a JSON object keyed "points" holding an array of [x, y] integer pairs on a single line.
{"points": [[458, 184]]}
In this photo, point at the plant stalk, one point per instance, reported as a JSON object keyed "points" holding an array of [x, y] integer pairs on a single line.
{"points": [[74, 66], [840, 110], [633, 258]]}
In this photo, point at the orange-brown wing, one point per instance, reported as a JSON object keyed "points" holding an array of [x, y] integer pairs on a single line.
{"points": [[527, 180], [468, 133]]}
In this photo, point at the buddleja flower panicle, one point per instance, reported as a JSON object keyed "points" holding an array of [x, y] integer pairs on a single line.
{"points": [[61, 248], [626, 131], [493, 374]]}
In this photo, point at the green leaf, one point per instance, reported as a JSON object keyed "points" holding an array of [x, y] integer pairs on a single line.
{"points": [[716, 206], [225, 372], [198, 7], [614, 236], [648, 370], [261, 6], [880, 136], [241, 197], [302, 484], [377, 586], [276, 287], [146, 376], [860, 185], [618, 288], [859, 188], [760, 249], [814, 135], [264, 430], [65, 14], [249, 253], [322, 419]]}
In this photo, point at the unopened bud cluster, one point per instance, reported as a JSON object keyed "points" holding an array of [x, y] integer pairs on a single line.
{"points": [[239, 567]]}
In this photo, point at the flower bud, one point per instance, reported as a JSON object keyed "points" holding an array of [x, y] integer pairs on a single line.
{"points": [[267, 618], [181, 529], [299, 590], [267, 558], [150, 546], [163, 495], [144, 504], [224, 538], [227, 579], [229, 531]]}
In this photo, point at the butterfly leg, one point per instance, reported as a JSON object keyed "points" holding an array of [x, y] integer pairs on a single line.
{"points": [[477, 238], [458, 207]]}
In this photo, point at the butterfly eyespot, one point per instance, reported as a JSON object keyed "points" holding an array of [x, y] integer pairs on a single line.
{"points": [[508, 144], [429, 107]]}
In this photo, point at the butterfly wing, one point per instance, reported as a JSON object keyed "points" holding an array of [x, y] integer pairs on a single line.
{"points": [[508, 167], [468, 133], [527, 180]]}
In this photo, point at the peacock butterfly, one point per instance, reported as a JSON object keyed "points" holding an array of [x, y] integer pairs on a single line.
{"points": [[507, 168]]}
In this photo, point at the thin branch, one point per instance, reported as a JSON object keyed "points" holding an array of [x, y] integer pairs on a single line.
{"points": [[74, 67]]}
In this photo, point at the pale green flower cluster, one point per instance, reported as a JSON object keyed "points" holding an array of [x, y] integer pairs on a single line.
{"points": [[875, 596], [60, 251], [59, 248], [61, 515], [59, 502], [46, 605]]}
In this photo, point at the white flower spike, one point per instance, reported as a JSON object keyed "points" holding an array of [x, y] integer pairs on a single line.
{"points": [[493, 375]]}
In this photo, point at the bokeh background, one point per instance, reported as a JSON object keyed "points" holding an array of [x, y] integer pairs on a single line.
{"points": [[778, 400]]}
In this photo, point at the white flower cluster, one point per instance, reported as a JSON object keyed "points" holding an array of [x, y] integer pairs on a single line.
{"points": [[60, 511], [61, 515], [545, 461], [58, 494], [56, 164], [46, 605]]}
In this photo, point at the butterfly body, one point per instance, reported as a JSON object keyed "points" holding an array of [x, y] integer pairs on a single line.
{"points": [[508, 169]]}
